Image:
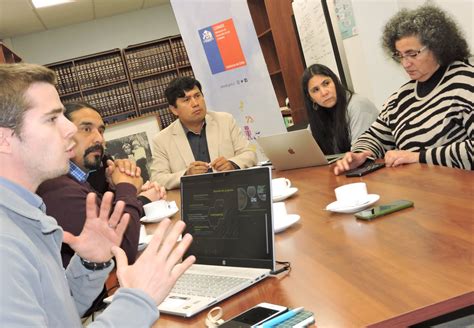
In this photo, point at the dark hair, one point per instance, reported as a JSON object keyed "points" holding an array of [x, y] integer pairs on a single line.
{"points": [[71, 107], [329, 127], [178, 86], [434, 28]]}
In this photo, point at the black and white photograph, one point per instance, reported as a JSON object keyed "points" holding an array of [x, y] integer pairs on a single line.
{"points": [[135, 147], [132, 140]]}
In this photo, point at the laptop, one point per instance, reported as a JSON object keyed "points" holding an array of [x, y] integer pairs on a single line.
{"points": [[295, 149], [229, 215]]}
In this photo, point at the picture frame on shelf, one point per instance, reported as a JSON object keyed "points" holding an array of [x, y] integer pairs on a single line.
{"points": [[132, 139]]}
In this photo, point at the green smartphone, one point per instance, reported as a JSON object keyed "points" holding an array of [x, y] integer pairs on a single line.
{"points": [[374, 212]]}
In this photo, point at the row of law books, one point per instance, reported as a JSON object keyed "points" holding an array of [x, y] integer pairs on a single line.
{"points": [[181, 56], [120, 118], [93, 73], [186, 71], [151, 91], [163, 114], [150, 60], [76, 97], [111, 100], [166, 117], [67, 82]]}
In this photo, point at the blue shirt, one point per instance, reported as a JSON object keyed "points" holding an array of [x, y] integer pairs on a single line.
{"points": [[77, 173]]}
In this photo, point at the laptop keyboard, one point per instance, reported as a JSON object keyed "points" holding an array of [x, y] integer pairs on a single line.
{"points": [[205, 285]]}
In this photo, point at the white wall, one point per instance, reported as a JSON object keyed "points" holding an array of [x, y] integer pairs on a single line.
{"points": [[8, 43], [374, 74], [96, 36]]}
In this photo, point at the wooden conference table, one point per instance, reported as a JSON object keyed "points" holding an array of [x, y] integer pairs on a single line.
{"points": [[397, 270]]}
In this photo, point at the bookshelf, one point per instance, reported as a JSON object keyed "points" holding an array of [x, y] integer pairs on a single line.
{"points": [[125, 83], [276, 33], [152, 66], [7, 56]]}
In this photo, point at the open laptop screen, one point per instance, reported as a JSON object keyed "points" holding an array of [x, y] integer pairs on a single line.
{"points": [[292, 150], [229, 215]]}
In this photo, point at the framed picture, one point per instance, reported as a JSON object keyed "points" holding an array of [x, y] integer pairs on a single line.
{"points": [[133, 140]]}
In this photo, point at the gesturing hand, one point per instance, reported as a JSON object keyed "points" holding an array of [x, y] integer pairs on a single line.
{"points": [[157, 269], [101, 230]]}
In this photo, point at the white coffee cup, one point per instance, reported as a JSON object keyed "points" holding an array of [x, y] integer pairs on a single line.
{"points": [[279, 210], [280, 186], [156, 209], [352, 194]]}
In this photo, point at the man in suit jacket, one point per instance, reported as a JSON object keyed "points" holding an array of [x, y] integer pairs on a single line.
{"points": [[199, 141]]}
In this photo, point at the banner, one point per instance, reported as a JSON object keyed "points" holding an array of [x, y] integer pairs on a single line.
{"points": [[225, 54]]}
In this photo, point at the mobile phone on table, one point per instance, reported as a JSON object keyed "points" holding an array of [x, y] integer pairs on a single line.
{"points": [[366, 168], [255, 316], [374, 212]]}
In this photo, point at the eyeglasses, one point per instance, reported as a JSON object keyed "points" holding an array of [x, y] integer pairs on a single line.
{"points": [[398, 57]]}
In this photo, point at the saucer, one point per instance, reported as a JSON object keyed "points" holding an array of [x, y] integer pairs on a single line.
{"points": [[287, 193], [173, 209], [281, 224], [144, 239], [336, 206]]}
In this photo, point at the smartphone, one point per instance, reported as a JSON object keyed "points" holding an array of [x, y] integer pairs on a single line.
{"points": [[374, 212], [255, 316], [366, 168]]}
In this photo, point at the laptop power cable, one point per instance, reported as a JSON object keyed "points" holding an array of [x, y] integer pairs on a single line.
{"points": [[286, 266]]}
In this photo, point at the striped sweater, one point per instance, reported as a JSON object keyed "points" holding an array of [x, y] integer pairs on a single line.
{"points": [[439, 126]]}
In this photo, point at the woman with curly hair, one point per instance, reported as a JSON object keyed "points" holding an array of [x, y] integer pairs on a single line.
{"points": [[336, 115], [430, 118]]}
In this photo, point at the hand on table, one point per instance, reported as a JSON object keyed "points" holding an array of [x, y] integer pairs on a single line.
{"points": [[351, 161], [197, 167], [155, 272], [222, 164], [101, 231], [395, 158]]}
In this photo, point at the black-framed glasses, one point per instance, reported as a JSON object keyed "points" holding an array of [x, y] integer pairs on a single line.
{"points": [[398, 57]]}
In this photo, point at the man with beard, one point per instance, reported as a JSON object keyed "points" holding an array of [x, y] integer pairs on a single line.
{"points": [[65, 196], [36, 145]]}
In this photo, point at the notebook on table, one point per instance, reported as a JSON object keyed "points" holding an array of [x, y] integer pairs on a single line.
{"points": [[229, 215], [292, 150]]}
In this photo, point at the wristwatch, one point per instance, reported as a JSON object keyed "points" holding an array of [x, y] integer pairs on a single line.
{"points": [[94, 266]]}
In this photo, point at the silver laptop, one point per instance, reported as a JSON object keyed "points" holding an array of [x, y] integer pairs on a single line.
{"points": [[292, 150], [229, 215]]}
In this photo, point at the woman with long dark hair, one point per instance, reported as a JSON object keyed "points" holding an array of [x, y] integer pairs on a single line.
{"points": [[336, 115]]}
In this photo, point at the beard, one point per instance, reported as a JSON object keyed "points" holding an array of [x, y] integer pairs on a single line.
{"points": [[93, 163]]}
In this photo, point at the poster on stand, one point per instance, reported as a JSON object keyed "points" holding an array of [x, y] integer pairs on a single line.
{"points": [[226, 58]]}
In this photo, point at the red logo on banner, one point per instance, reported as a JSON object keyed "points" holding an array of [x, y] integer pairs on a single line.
{"points": [[228, 44]]}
